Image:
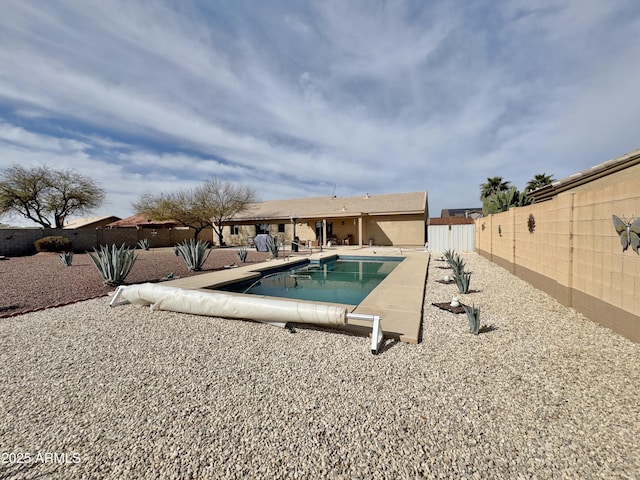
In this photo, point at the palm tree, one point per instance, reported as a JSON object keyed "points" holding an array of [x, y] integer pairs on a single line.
{"points": [[539, 181], [492, 186]]}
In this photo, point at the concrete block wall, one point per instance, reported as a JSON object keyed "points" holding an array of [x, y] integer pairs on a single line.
{"points": [[502, 237], [574, 252], [20, 241]]}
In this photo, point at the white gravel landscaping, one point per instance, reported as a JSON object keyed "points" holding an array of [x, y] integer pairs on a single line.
{"points": [[95, 392]]}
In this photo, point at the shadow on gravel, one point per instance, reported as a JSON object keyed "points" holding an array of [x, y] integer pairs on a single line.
{"points": [[10, 307], [388, 344], [487, 329]]}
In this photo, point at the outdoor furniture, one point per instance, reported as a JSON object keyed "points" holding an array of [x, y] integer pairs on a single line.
{"points": [[260, 242]]}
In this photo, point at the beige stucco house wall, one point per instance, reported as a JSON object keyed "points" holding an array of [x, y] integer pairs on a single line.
{"points": [[389, 219]]}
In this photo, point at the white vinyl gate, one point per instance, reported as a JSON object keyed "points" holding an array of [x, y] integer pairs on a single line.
{"points": [[461, 238]]}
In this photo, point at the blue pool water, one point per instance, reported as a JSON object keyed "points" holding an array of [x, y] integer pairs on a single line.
{"points": [[341, 280]]}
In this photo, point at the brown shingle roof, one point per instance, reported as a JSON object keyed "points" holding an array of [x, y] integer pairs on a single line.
{"points": [[315, 207], [90, 222], [141, 221], [451, 221]]}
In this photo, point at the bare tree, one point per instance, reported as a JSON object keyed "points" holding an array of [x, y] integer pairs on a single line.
{"points": [[209, 205], [47, 196]]}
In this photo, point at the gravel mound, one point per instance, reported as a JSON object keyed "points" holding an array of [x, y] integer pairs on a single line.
{"points": [[130, 393]]}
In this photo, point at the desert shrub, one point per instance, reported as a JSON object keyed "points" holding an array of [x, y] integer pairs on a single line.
{"points": [[53, 244]]}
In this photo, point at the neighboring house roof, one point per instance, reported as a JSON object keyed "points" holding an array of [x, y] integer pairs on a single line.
{"points": [[585, 176], [318, 207], [460, 212], [451, 220], [91, 222], [141, 221]]}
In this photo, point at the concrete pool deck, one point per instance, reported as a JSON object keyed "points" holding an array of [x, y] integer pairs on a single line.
{"points": [[398, 299]]}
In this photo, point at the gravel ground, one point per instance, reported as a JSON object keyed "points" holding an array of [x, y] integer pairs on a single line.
{"points": [[42, 280], [130, 393]]}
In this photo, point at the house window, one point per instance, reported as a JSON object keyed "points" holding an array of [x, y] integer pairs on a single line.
{"points": [[281, 227], [235, 229], [262, 228]]}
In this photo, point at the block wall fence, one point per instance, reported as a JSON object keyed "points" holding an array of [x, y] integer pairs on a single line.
{"points": [[574, 252], [19, 241]]}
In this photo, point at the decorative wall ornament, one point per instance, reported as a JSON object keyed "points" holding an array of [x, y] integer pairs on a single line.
{"points": [[500, 230], [531, 223], [629, 233]]}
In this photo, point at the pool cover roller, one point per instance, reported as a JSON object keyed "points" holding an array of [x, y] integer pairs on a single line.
{"points": [[216, 304]]}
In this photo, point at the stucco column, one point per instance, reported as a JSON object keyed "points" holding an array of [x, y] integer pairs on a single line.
{"points": [[360, 231], [324, 232]]}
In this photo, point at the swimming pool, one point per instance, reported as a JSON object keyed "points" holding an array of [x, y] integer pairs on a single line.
{"points": [[345, 280]]}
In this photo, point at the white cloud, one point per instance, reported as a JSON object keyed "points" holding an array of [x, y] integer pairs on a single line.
{"points": [[21, 138], [374, 96]]}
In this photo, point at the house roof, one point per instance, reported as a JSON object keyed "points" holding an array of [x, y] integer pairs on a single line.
{"points": [[318, 207], [459, 212], [601, 170], [141, 221], [90, 221], [451, 220]]}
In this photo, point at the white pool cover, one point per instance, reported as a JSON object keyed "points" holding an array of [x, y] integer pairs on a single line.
{"points": [[215, 304]]}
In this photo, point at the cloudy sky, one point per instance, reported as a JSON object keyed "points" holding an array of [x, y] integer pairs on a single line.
{"points": [[303, 99]]}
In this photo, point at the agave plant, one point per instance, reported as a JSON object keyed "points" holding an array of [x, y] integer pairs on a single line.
{"points": [[473, 316], [242, 255], [463, 280], [194, 253], [144, 244], [113, 264], [457, 265], [448, 255], [67, 258], [273, 247]]}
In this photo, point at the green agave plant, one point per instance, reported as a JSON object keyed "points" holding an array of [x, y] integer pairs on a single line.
{"points": [[113, 264], [144, 244], [273, 247], [194, 253], [67, 258], [242, 255], [448, 255], [463, 280], [457, 264], [473, 316]]}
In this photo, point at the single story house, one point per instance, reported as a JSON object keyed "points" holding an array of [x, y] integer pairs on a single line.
{"points": [[388, 219], [90, 222], [473, 212], [140, 221]]}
